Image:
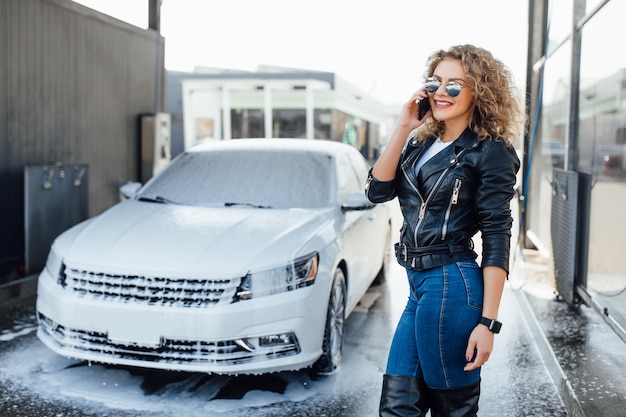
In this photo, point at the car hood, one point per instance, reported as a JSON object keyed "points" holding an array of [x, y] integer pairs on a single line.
{"points": [[166, 239]]}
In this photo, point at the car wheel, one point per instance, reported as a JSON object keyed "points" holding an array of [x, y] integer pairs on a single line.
{"points": [[332, 345], [382, 275]]}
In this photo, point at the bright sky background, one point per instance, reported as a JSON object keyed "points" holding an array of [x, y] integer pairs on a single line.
{"points": [[379, 45]]}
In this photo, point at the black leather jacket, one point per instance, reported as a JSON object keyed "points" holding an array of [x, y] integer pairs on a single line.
{"points": [[465, 188]]}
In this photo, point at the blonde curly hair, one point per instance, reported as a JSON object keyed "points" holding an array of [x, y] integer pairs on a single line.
{"points": [[497, 110]]}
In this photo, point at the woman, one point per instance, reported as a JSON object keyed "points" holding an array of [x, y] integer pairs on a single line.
{"points": [[453, 177]]}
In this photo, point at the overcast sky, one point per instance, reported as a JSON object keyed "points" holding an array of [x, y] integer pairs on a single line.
{"points": [[379, 45]]}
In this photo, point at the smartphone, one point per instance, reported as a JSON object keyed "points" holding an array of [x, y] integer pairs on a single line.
{"points": [[423, 107]]}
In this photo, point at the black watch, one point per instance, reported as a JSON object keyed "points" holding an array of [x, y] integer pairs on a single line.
{"points": [[492, 324]]}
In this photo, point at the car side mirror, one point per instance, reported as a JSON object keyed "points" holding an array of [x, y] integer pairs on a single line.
{"points": [[129, 189], [357, 201]]}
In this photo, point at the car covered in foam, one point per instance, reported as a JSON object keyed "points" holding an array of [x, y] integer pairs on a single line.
{"points": [[241, 256]]}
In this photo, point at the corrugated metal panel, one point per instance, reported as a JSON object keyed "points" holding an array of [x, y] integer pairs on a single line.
{"points": [[563, 228], [72, 82]]}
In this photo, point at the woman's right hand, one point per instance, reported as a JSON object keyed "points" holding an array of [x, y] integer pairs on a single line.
{"points": [[409, 115], [387, 163]]}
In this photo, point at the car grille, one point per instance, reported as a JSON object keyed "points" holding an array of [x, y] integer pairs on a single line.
{"points": [[183, 292], [169, 354]]}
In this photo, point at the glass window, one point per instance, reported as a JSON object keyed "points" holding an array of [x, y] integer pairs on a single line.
{"points": [[552, 140], [550, 147], [289, 123], [322, 123], [348, 181], [338, 125], [247, 177], [350, 135], [602, 137], [561, 15], [247, 123], [361, 169]]}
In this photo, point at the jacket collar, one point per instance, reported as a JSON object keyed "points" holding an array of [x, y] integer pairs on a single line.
{"points": [[467, 140], [448, 157]]}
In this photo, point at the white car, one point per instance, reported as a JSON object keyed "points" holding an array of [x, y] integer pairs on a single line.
{"points": [[241, 257]]}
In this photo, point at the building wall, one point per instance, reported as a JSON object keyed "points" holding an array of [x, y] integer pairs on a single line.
{"points": [[339, 111], [72, 84]]}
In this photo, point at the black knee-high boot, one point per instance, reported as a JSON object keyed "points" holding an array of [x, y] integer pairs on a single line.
{"points": [[458, 402], [403, 396]]}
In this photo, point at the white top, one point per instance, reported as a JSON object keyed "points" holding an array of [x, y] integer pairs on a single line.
{"points": [[434, 149]]}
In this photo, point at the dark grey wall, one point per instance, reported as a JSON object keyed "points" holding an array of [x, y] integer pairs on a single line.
{"points": [[72, 84]]}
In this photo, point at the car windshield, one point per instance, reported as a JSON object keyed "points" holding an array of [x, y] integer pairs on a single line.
{"points": [[257, 178]]}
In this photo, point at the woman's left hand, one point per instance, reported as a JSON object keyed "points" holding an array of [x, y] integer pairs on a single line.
{"points": [[479, 347]]}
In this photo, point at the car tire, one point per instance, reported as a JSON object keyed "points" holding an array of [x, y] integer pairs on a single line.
{"points": [[383, 273], [334, 329]]}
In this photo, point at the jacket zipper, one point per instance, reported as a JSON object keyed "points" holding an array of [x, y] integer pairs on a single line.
{"points": [[414, 187], [453, 200], [424, 204]]}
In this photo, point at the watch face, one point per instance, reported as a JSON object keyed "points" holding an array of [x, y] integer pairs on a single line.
{"points": [[495, 326]]}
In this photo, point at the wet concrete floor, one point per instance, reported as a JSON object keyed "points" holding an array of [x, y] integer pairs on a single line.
{"points": [[584, 356]]}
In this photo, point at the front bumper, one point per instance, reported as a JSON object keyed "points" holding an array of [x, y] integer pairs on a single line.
{"points": [[268, 334]]}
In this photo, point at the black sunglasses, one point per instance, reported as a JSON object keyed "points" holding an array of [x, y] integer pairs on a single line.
{"points": [[453, 88]]}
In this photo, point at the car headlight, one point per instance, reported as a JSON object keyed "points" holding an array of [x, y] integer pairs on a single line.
{"points": [[55, 267], [301, 273]]}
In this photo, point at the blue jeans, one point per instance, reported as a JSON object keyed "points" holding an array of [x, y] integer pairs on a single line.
{"points": [[444, 306]]}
